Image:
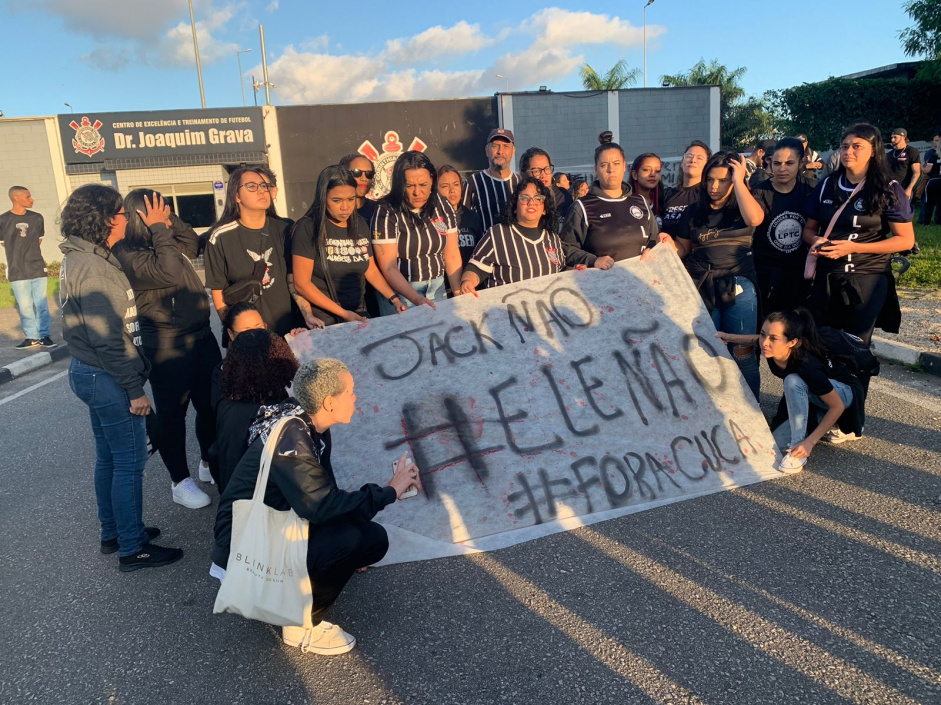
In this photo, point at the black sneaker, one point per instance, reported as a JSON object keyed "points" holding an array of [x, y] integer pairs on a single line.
{"points": [[47, 342], [27, 344], [111, 545], [149, 556]]}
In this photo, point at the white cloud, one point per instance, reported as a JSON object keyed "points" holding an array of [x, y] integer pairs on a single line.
{"points": [[462, 38], [177, 45], [273, 6], [562, 28], [129, 19]]}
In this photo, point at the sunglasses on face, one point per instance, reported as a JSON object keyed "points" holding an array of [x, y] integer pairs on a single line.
{"points": [[362, 172]]}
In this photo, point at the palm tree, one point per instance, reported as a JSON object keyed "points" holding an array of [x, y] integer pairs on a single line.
{"points": [[712, 74], [618, 77]]}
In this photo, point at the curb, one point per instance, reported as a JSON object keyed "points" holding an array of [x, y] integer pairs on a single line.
{"points": [[905, 354], [35, 361]]}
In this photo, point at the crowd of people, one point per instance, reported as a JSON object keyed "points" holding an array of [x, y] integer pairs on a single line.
{"points": [[776, 245]]}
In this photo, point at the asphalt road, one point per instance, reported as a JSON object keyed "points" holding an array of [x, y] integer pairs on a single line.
{"points": [[823, 587]]}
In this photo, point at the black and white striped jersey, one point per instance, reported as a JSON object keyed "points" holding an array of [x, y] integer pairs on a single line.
{"points": [[512, 253], [488, 195], [420, 240]]}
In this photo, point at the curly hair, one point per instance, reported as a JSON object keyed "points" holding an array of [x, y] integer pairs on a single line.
{"points": [[88, 213], [317, 380], [258, 368], [549, 220]]}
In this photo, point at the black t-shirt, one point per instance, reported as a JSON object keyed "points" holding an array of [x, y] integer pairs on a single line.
{"points": [[815, 371], [931, 164], [563, 204], [900, 163], [675, 201], [231, 253], [347, 262], [723, 237], [512, 253], [855, 223], [368, 210], [470, 230], [20, 236], [778, 241]]}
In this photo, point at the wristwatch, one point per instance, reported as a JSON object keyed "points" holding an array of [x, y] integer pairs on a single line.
{"points": [[393, 298]]}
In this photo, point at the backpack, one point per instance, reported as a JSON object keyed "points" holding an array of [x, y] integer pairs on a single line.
{"points": [[849, 351]]}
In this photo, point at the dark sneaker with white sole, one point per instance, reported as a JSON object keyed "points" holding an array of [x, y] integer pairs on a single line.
{"points": [[27, 344], [111, 545], [149, 556], [47, 342]]}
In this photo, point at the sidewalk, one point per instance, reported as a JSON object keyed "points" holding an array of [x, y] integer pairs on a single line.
{"points": [[16, 363]]}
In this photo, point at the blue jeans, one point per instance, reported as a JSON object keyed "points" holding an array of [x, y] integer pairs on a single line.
{"points": [[433, 290], [741, 317], [799, 399], [121, 452], [33, 307]]}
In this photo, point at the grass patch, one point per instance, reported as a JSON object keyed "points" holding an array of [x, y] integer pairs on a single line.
{"points": [[925, 272], [6, 292]]}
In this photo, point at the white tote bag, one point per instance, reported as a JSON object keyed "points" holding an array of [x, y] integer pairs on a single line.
{"points": [[266, 578]]}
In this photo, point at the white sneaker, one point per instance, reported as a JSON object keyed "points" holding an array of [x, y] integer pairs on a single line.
{"points": [[204, 474], [325, 639], [835, 435], [790, 465], [189, 495]]}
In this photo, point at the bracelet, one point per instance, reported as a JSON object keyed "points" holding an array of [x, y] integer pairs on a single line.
{"points": [[393, 298]]}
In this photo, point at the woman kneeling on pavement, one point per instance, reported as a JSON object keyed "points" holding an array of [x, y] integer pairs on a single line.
{"points": [[789, 342], [343, 537], [108, 372]]}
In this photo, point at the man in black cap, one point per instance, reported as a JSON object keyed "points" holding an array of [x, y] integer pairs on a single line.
{"points": [[904, 161], [811, 165], [487, 192]]}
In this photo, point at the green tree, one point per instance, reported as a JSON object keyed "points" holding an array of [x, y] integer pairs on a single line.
{"points": [[744, 122], [618, 77], [924, 38]]}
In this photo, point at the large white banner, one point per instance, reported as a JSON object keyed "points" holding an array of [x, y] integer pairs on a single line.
{"points": [[543, 406]]}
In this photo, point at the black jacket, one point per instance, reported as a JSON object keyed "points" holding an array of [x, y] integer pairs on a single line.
{"points": [[301, 479], [171, 299]]}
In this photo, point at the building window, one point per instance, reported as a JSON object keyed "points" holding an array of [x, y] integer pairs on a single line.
{"points": [[199, 210]]}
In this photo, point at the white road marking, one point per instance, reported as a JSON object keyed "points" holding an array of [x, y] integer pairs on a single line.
{"points": [[33, 387]]}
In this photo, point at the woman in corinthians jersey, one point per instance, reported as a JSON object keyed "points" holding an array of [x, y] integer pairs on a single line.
{"points": [[853, 288], [524, 246]]}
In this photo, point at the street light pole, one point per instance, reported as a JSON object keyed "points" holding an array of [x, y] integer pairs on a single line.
{"points": [[238, 55], [199, 68], [69, 106], [649, 3]]}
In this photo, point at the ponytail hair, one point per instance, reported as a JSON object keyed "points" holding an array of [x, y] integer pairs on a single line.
{"points": [[800, 324]]}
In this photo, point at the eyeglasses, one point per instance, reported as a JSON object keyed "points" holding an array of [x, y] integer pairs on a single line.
{"points": [[535, 199], [362, 172], [694, 159], [252, 186], [545, 170]]}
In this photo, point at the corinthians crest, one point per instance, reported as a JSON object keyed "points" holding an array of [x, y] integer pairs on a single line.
{"points": [[384, 161], [87, 139]]}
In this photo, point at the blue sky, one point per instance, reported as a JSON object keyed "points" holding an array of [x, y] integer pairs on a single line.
{"points": [[110, 55]]}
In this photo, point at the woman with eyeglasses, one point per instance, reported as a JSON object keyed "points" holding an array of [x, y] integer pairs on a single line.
{"points": [[854, 288], [173, 311], [245, 255], [364, 172], [108, 371], [524, 246], [678, 198], [332, 256], [470, 226], [414, 236], [535, 162]]}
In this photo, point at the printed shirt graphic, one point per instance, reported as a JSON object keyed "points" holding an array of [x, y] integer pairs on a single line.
{"points": [[855, 223], [231, 253], [512, 253], [347, 259], [779, 240], [20, 235], [675, 201]]}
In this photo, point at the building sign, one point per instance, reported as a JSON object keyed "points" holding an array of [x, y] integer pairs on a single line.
{"points": [[95, 137]]}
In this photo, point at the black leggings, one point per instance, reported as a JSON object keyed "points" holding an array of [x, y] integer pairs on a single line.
{"points": [[781, 289], [931, 204], [334, 552], [848, 310], [181, 372]]}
